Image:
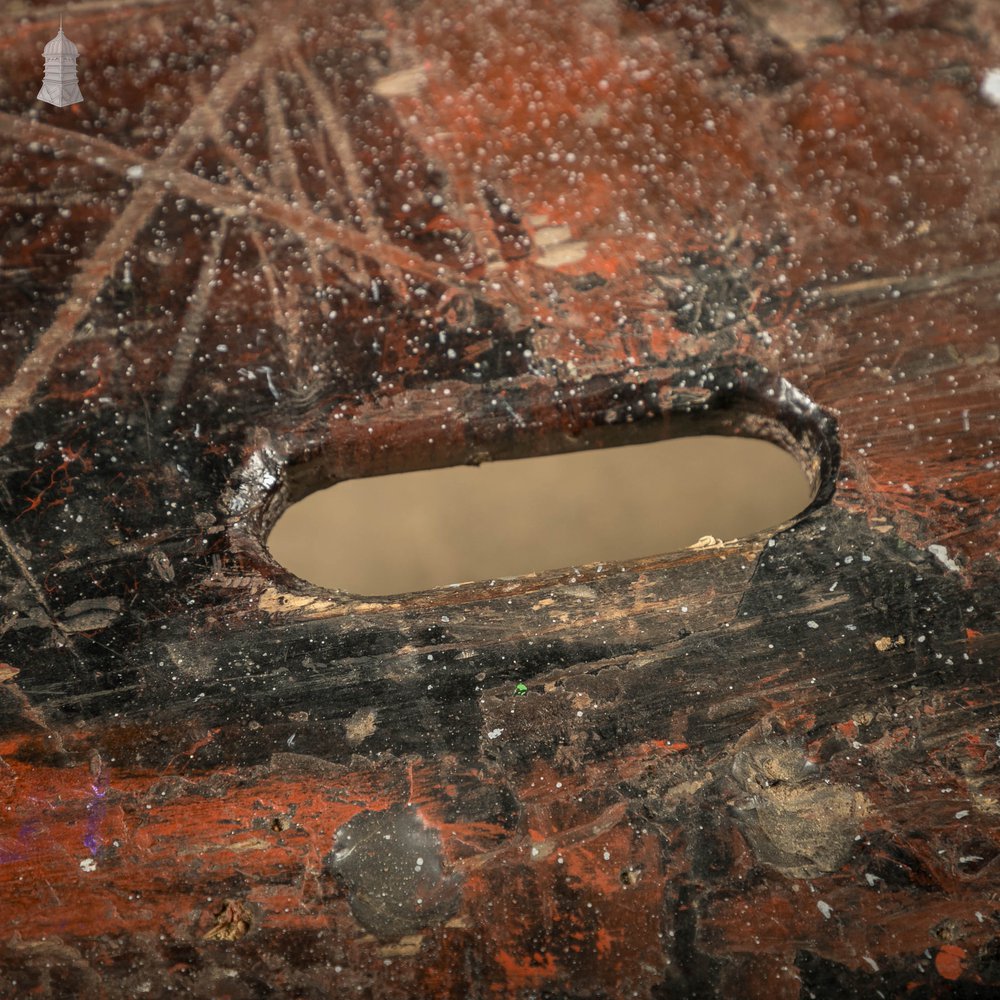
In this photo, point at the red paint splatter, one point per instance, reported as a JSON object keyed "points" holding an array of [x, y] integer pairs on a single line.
{"points": [[950, 961]]}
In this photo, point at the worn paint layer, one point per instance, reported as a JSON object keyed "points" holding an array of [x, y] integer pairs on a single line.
{"points": [[284, 244]]}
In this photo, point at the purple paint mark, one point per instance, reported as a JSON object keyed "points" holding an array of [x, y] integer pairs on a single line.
{"points": [[29, 830], [26, 833], [97, 806]]}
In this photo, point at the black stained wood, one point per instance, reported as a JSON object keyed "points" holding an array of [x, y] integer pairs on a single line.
{"points": [[283, 245]]}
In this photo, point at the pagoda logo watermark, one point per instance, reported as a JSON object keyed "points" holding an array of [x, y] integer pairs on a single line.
{"points": [[60, 86]]}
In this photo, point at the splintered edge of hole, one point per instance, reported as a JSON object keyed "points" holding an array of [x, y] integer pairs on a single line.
{"points": [[412, 531]]}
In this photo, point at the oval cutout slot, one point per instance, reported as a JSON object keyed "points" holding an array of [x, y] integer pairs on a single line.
{"points": [[413, 531]]}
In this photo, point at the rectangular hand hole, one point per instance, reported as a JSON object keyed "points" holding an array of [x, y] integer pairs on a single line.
{"points": [[417, 530]]}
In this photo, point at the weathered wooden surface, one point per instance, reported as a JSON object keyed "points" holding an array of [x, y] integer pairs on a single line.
{"points": [[281, 244]]}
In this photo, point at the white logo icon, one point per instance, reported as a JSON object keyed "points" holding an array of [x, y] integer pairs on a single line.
{"points": [[59, 87]]}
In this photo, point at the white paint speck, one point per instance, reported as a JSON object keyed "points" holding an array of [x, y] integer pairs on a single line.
{"points": [[812, 624], [941, 554], [961, 814], [88, 865], [989, 89], [403, 83], [494, 733], [134, 173], [871, 962], [825, 908]]}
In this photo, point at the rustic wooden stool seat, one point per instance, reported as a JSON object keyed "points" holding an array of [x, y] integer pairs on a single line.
{"points": [[282, 245]]}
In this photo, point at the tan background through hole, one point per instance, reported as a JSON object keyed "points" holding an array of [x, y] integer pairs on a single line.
{"points": [[416, 530]]}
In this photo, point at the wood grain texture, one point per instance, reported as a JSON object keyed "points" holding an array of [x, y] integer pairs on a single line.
{"points": [[281, 245]]}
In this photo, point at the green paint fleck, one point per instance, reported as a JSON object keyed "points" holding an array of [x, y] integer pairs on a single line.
{"points": [[521, 689]]}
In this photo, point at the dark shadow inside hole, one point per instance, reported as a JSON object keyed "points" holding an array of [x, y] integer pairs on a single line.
{"points": [[416, 530]]}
